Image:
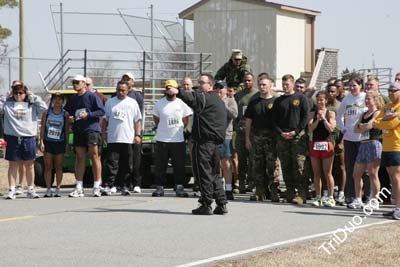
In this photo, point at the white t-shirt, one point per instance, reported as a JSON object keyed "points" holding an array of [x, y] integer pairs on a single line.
{"points": [[121, 116], [170, 128]]}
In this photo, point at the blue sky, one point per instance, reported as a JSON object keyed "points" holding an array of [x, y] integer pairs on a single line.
{"points": [[363, 30]]}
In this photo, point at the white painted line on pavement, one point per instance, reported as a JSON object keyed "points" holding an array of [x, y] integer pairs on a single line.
{"points": [[272, 245], [16, 218]]}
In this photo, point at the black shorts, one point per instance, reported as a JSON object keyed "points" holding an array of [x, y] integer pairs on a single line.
{"points": [[87, 139], [54, 148]]}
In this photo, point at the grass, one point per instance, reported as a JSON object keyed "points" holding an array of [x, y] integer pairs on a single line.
{"points": [[374, 246]]}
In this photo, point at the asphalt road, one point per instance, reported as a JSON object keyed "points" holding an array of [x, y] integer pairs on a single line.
{"points": [[140, 230]]}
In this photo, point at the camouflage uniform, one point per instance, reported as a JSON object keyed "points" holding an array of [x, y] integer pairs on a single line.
{"points": [[233, 75], [245, 161], [264, 157], [292, 154]]}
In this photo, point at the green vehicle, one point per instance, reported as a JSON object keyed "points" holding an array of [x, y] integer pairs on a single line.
{"points": [[147, 168]]}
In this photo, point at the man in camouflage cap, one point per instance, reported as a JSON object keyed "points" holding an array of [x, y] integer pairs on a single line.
{"points": [[234, 70]]}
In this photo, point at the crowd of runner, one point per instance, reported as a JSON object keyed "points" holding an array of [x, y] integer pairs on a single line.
{"points": [[332, 146]]}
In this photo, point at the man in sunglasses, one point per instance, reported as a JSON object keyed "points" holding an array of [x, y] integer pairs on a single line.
{"points": [[210, 123], [234, 70], [86, 109]]}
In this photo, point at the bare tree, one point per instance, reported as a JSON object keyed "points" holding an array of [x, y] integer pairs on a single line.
{"points": [[102, 73]]}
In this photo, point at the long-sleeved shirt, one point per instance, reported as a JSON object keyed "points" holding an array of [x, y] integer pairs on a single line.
{"points": [[232, 110], [290, 113], [20, 118], [210, 116], [90, 103], [348, 115], [390, 128]]}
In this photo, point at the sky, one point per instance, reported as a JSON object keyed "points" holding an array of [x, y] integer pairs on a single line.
{"points": [[364, 31]]}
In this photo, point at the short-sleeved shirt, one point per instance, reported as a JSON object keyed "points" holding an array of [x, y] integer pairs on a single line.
{"points": [[259, 110], [170, 127], [121, 116]]}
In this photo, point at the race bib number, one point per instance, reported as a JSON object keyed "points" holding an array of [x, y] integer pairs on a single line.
{"points": [[353, 111], [320, 146], [120, 115], [172, 122], [77, 112], [54, 133]]}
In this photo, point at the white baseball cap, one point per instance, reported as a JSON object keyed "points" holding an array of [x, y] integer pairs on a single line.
{"points": [[130, 75], [79, 78]]}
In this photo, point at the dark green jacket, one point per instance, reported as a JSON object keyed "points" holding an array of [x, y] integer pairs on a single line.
{"points": [[233, 75]]}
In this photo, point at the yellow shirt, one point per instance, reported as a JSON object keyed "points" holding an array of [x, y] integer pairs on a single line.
{"points": [[390, 128]]}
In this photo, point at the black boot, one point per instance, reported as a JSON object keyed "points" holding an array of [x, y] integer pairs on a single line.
{"points": [[203, 210], [221, 209]]}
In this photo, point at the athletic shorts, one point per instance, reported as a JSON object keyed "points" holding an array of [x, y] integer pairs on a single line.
{"points": [[321, 149], [369, 152], [225, 149], [54, 148], [87, 139], [20, 148], [390, 159]]}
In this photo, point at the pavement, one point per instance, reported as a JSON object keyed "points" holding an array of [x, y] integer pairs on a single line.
{"points": [[140, 230]]}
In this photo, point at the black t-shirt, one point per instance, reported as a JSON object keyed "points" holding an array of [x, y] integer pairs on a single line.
{"points": [[290, 113], [259, 110]]}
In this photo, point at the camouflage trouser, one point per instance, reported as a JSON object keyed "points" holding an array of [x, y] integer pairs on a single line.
{"points": [[263, 154], [292, 154], [244, 168]]}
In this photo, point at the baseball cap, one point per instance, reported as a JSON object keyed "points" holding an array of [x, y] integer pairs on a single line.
{"points": [[130, 75], [79, 78], [220, 84], [171, 83], [58, 94], [237, 54]]}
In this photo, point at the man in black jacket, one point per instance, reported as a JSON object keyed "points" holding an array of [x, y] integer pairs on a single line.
{"points": [[209, 126]]}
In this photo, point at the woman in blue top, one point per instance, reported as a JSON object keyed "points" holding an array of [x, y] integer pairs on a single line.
{"points": [[53, 139]]}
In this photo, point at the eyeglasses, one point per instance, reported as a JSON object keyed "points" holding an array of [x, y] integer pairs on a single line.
{"points": [[88, 84], [76, 82], [19, 93], [392, 91]]}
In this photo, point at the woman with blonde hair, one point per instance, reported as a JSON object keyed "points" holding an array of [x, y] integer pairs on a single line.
{"points": [[370, 150]]}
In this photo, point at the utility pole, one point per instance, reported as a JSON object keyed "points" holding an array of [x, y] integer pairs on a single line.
{"points": [[21, 40], [152, 46], [62, 45]]}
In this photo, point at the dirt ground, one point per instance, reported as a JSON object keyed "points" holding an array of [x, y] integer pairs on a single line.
{"points": [[375, 246]]}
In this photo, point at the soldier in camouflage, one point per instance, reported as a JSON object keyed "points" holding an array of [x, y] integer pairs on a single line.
{"points": [[261, 141], [234, 70], [290, 115], [242, 99]]}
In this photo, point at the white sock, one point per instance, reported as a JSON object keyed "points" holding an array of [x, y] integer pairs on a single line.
{"points": [[228, 187], [12, 188], [341, 193], [79, 185], [96, 184], [30, 188], [325, 193]]}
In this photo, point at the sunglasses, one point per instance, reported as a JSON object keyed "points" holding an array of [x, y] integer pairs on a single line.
{"points": [[88, 84], [393, 90], [76, 82], [19, 93]]}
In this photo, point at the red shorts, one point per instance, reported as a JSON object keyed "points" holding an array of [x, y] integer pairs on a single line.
{"points": [[321, 149]]}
